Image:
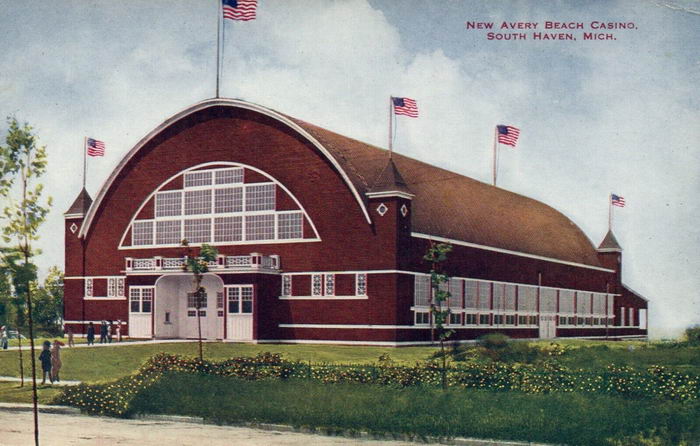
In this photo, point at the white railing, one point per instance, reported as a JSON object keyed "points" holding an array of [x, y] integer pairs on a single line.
{"points": [[253, 261]]}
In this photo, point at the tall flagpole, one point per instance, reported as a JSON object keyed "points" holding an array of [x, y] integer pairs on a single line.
{"points": [[84, 160], [495, 139], [391, 115], [610, 212], [218, 45]]}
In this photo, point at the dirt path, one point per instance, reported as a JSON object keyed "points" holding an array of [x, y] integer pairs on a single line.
{"points": [[16, 428]]}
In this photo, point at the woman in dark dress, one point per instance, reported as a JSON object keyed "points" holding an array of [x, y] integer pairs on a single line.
{"points": [[45, 358], [91, 334]]}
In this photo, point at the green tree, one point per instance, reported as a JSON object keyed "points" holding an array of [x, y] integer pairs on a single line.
{"points": [[48, 301], [198, 266], [439, 284], [22, 162]]}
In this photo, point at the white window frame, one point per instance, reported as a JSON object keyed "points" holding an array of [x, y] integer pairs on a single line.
{"points": [[235, 294], [286, 290], [329, 284], [138, 294], [622, 319], [422, 312], [361, 284], [316, 285], [89, 287]]}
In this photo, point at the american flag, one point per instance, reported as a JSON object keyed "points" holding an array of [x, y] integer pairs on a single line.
{"points": [[405, 106], [617, 200], [95, 147], [240, 9], [508, 135]]}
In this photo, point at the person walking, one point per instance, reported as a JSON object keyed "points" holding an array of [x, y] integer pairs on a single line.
{"points": [[110, 330], [71, 341], [45, 358], [56, 360], [119, 330], [91, 334], [103, 332], [3, 338]]}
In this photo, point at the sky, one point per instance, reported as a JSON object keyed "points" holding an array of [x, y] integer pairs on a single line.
{"points": [[596, 116]]}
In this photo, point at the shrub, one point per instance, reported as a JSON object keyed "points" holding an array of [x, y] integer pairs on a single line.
{"points": [[692, 335]]}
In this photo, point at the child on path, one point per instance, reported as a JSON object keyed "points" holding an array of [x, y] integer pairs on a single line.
{"points": [[71, 341], [45, 358], [56, 360], [91, 334]]}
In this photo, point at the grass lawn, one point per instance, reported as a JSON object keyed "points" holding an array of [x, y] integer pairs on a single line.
{"points": [[109, 363], [556, 418], [11, 392]]}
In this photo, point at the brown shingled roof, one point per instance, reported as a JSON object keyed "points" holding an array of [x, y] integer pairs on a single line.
{"points": [[81, 204], [610, 242], [390, 180], [450, 205]]}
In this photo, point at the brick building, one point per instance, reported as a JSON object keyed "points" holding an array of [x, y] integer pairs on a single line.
{"points": [[321, 239]]}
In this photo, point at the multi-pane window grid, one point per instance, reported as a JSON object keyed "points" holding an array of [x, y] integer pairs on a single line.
{"points": [[487, 303], [198, 230], [142, 233], [228, 229], [290, 225], [260, 227], [168, 232], [198, 202], [260, 197], [140, 299], [229, 199], [240, 299], [329, 284], [168, 204], [204, 195], [192, 301]]}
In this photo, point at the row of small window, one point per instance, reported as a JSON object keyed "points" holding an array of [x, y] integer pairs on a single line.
{"points": [[280, 226], [229, 175], [585, 321], [115, 287], [240, 300], [423, 318], [482, 295], [256, 197], [324, 285]]}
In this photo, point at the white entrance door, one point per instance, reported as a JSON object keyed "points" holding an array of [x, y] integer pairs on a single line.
{"points": [[239, 319], [548, 326], [191, 326], [140, 308]]}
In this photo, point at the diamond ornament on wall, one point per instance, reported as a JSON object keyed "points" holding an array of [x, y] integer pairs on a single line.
{"points": [[73, 228], [404, 210], [382, 209]]}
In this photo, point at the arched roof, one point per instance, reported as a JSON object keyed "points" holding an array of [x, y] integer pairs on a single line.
{"points": [[449, 205], [201, 106], [445, 204]]}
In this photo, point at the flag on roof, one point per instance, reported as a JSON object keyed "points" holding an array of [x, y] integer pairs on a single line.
{"points": [[617, 200], [508, 135], [95, 147], [405, 106], [239, 9]]}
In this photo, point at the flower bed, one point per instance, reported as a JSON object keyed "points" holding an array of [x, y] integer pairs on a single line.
{"points": [[656, 382]]}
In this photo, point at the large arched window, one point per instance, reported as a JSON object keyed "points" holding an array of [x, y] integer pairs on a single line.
{"points": [[218, 206]]}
